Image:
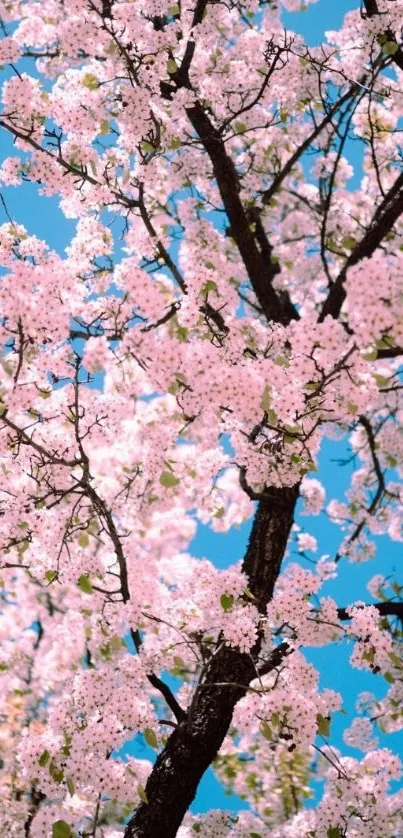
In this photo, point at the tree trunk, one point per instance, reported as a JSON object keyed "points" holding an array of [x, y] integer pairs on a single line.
{"points": [[195, 742]]}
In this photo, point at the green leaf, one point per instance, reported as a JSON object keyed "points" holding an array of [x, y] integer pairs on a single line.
{"points": [[348, 242], [142, 793], [146, 146], [382, 380], [23, 547], [272, 417], [90, 81], [196, 827], [265, 730], [51, 575], [70, 785], [105, 651], [56, 773], [255, 835], [368, 655], [84, 584], [371, 355], [151, 738], [210, 285], [266, 399], [323, 725], [116, 643], [240, 127], [334, 832], [171, 66], [282, 361], [182, 334], [220, 512], [386, 342], [105, 127], [61, 829], [396, 660], [43, 759], [390, 48], [173, 10], [293, 430], [227, 601], [67, 745], [168, 480], [83, 539]]}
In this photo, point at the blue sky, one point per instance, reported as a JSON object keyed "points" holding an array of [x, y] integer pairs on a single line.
{"points": [[43, 217]]}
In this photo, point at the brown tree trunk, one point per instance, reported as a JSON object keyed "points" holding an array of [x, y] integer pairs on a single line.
{"points": [[195, 742]]}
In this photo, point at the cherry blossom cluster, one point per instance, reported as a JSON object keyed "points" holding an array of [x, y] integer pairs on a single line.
{"points": [[153, 379]]}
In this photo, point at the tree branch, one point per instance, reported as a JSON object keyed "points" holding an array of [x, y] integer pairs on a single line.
{"points": [[386, 609], [393, 352], [268, 194], [371, 8], [183, 72], [82, 174], [261, 271], [24, 438], [275, 659], [158, 684], [385, 216]]}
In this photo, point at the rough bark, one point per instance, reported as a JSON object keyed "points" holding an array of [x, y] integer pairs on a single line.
{"points": [[260, 269], [268, 540], [195, 742]]}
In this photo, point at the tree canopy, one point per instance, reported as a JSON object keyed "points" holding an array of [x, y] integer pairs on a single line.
{"points": [[231, 298]]}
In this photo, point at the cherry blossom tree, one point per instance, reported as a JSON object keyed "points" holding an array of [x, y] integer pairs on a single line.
{"points": [[227, 302]]}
